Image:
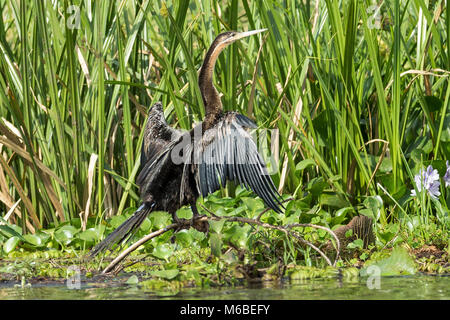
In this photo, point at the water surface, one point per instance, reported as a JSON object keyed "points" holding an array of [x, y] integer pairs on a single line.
{"points": [[390, 288]]}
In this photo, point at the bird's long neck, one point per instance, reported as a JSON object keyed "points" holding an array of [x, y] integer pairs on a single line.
{"points": [[211, 99]]}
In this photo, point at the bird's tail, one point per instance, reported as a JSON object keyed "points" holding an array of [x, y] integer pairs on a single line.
{"points": [[124, 230]]}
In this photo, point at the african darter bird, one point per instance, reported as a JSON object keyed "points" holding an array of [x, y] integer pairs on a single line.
{"points": [[177, 167]]}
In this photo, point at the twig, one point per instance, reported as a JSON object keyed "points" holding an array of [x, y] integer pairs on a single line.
{"points": [[134, 246], [338, 243], [315, 248], [209, 211]]}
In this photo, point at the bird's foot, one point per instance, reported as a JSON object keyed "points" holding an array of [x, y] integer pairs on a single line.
{"points": [[181, 223], [196, 222], [199, 224]]}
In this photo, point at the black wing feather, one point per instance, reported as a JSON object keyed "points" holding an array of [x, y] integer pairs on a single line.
{"points": [[158, 136], [228, 152]]}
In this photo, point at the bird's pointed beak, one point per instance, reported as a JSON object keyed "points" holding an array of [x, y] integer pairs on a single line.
{"points": [[248, 33]]}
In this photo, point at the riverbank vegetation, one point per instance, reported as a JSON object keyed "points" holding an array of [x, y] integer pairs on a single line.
{"points": [[351, 100]]}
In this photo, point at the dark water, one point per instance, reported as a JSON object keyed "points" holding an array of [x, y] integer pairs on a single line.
{"points": [[391, 288]]}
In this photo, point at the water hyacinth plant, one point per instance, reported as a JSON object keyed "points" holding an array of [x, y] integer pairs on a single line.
{"points": [[429, 181], [427, 191]]}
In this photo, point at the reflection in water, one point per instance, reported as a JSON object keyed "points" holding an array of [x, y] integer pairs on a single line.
{"points": [[411, 287]]}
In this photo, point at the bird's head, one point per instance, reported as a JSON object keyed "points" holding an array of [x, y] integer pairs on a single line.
{"points": [[226, 38], [221, 42]]}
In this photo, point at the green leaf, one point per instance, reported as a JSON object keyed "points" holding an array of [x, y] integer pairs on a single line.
{"points": [[44, 235], [216, 226], [68, 228], [357, 244], [184, 238], [398, 263], [184, 213], [389, 233], [445, 136], [363, 256], [439, 165], [253, 204], [317, 185], [133, 280], [333, 200], [195, 276], [230, 257], [292, 218], [10, 244], [165, 274], [412, 223], [65, 234], [216, 244], [434, 103], [368, 213], [341, 215], [349, 233], [375, 204], [146, 225], [8, 231], [76, 222], [117, 221], [321, 126], [33, 240], [160, 219], [197, 235], [418, 155], [89, 235], [163, 251], [305, 164], [237, 235]]}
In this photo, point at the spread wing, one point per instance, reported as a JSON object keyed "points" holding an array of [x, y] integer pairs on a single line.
{"points": [[228, 152], [157, 134], [158, 137]]}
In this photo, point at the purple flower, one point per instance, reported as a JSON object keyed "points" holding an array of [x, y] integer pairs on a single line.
{"points": [[447, 175], [429, 180]]}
